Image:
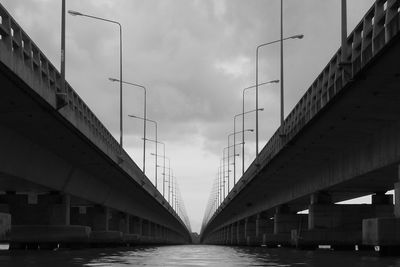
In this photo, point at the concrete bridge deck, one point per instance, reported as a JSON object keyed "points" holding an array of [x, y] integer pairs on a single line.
{"points": [[341, 141], [63, 168]]}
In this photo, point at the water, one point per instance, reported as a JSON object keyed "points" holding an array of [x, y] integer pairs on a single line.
{"points": [[192, 255]]}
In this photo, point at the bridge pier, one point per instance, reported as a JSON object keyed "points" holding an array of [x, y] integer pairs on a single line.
{"points": [[338, 225], [384, 231], [233, 234], [284, 222], [264, 227], [105, 227], [41, 220], [226, 235], [130, 235], [250, 231], [240, 235]]}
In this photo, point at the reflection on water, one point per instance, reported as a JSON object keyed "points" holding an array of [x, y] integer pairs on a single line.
{"points": [[192, 255]]}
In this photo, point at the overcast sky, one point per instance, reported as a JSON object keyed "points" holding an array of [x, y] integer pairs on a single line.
{"points": [[195, 57]]}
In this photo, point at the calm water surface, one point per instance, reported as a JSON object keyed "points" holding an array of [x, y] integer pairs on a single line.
{"points": [[192, 255]]}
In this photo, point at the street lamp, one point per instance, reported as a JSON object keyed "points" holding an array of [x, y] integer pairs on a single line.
{"points": [[234, 125], [223, 165], [144, 117], [61, 96], [299, 36], [169, 177], [144, 139], [76, 13], [234, 147], [344, 31], [164, 157]]}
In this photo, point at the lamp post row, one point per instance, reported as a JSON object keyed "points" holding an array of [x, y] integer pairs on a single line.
{"points": [[257, 109], [121, 82]]}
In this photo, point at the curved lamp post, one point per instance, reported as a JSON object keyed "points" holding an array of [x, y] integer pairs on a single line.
{"points": [[155, 123], [144, 117], [298, 36], [76, 13], [234, 150], [234, 126]]}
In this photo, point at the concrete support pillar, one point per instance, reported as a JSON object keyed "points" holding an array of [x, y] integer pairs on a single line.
{"points": [[384, 231], [127, 224], [250, 231], [339, 225], [228, 235], [284, 222], [238, 233], [140, 226], [67, 201], [41, 220], [257, 235], [233, 234], [101, 216], [151, 230], [264, 228]]}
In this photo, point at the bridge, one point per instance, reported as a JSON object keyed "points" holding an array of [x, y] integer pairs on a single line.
{"points": [[341, 141], [64, 180]]}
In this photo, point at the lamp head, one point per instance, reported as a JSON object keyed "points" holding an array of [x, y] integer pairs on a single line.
{"points": [[74, 13], [274, 81], [299, 36], [261, 109], [113, 79]]}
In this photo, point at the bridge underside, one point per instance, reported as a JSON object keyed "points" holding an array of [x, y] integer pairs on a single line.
{"points": [[51, 171]]}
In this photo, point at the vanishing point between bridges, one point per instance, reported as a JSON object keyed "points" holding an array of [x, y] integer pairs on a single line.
{"points": [[67, 183]]}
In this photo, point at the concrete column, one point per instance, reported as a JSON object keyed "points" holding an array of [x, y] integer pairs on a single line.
{"points": [[264, 229], [250, 231], [67, 200], [140, 226], [41, 220], [107, 218], [127, 223], [257, 226], [397, 199], [284, 222], [384, 231], [5, 227], [339, 225], [233, 236], [238, 233]]}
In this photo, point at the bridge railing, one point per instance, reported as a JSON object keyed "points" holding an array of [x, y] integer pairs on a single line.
{"points": [[19, 45], [377, 28]]}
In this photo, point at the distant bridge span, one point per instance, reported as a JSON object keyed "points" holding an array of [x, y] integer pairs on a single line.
{"points": [[341, 141]]}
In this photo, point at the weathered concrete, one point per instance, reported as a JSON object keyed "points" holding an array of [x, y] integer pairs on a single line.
{"points": [[5, 226], [285, 223], [384, 231], [48, 236], [106, 238], [344, 217], [265, 227], [339, 226], [250, 231]]}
